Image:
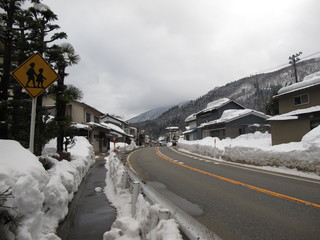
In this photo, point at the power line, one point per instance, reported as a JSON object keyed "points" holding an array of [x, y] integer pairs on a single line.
{"points": [[285, 64], [311, 55]]}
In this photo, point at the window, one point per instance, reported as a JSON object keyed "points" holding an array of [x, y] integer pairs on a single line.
{"points": [[69, 110], [301, 99], [88, 117], [223, 132], [96, 119], [205, 133], [215, 133], [212, 133]]}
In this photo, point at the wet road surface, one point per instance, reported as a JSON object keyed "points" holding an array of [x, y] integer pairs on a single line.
{"points": [[90, 214]]}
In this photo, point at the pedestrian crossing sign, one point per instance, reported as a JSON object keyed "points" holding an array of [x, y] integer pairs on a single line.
{"points": [[35, 75]]}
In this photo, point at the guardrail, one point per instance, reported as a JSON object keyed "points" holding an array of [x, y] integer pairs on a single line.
{"points": [[190, 227]]}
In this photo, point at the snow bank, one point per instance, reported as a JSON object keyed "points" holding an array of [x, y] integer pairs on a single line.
{"points": [[41, 197], [145, 223], [256, 149], [121, 146]]}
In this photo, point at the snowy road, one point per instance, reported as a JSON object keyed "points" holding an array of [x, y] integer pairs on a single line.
{"points": [[234, 202]]}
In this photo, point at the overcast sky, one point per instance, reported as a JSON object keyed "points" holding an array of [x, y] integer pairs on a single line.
{"points": [[137, 55]]}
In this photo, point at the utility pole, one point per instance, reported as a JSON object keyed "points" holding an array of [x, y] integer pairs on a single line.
{"points": [[293, 60]]}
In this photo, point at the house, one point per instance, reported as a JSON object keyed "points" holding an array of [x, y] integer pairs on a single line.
{"points": [[85, 122], [224, 118], [299, 108], [213, 111], [127, 131], [191, 129], [107, 118], [108, 133], [235, 122], [172, 133]]}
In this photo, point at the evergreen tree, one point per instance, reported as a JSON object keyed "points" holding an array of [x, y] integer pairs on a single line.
{"points": [[10, 8], [42, 27], [62, 56], [272, 106], [22, 33]]}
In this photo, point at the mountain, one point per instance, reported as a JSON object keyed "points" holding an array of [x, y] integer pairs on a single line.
{"points": [[252, 92], [149, 115], [152, 114]]}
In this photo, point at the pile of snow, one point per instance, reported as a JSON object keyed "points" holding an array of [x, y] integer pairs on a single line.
{"points": [[40, 197], [256, 149], [144, 223], [121, 146]]}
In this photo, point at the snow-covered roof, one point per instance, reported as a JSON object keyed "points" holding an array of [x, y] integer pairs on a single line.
{"points": [[116, 118], [172, 128], [233, 114], [308, 81], [214, 105], [190, 118], [293, 115], [88, 106], [80, 126], [189, 131], [111, 127]]}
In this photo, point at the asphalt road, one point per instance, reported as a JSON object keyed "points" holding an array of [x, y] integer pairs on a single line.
{"points": [[234, 202]]}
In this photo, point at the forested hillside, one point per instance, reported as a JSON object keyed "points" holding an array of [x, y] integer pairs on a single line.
{"points": [[252, 92]]}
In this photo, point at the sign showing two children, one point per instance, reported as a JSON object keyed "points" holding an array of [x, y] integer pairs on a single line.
{"points": [[35, 75]]}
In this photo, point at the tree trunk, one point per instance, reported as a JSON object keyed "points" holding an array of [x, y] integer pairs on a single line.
{"points": [[61, 110]]}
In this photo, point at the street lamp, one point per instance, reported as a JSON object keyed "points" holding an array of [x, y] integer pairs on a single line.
{"points": [[293, 60]]}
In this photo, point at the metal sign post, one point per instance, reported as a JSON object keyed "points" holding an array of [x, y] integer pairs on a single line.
{"points": [[32, 124]]}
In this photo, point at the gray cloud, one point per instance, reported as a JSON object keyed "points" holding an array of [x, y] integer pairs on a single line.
{"points": [[137, 55]]}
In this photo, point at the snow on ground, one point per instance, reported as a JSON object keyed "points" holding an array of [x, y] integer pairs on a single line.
{"points": [[40, 197], [143, 222], [256, 149]]}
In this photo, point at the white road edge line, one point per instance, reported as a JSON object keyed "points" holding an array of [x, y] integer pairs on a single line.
{"points": [[247, 167]]}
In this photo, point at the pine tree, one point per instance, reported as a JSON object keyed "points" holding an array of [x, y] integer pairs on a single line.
{"points": [[62, 56], [272, 106], [23, 33], [10, 9]]}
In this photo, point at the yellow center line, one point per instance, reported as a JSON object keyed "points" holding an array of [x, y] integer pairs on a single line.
{"points": [[279, 195]]}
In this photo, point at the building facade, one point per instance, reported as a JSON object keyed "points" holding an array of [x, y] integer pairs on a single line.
{"points": [[235, 122], [85, 122], [224, 118], [299, 108]]}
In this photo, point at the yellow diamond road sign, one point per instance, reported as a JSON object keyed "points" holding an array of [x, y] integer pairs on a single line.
{"points": [[35, 75]]}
